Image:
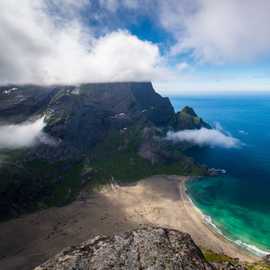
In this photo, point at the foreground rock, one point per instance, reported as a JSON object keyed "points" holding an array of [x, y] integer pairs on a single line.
{"points": [[146, 248]]}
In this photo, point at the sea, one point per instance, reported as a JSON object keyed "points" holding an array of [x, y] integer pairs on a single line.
{"points": [[237, 204]]}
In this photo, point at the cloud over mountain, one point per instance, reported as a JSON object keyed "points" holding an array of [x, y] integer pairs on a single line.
{"points": [[42, 47], [75, 41], [22, 135], [204, 137]]}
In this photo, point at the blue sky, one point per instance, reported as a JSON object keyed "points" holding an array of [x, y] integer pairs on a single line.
{"points": [[183, 46]]}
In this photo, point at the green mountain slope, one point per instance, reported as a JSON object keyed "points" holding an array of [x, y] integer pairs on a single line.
{"points": [[101, 132]]}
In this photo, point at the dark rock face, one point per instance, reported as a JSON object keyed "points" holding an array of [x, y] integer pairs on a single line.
{"points": [[157, 109], [83, 115], [18, 103], [147, 248]]}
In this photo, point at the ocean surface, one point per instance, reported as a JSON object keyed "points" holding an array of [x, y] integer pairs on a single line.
{"points": [[238, 203]]}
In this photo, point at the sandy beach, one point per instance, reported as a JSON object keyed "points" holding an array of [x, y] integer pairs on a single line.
{"points": [[159, 200], [163, 201]]}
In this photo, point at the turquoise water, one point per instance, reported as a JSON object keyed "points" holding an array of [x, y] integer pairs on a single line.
{"points": [[239, 202]]}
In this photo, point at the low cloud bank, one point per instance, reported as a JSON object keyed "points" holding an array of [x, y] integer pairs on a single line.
{"points": [[23, 135], [204, 137]]}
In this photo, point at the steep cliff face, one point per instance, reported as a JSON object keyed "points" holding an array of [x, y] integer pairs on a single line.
{"points": [[84, 115], [147, 248]]}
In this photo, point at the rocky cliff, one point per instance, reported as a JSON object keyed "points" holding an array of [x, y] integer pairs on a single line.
{"points": [[83, 116]]}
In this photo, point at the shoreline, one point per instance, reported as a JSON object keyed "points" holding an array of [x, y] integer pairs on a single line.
{"points": [[162, 201], [208, 221]]}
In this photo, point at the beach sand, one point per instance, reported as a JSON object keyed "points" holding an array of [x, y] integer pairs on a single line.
{"points": [[163, 201], [159, 200]]}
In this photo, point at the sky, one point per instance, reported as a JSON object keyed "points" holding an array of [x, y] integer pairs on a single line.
{"points": [[182, 46]]}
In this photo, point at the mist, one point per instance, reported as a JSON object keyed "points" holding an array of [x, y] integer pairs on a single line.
{"points": [[23, 135], [204, 137]]}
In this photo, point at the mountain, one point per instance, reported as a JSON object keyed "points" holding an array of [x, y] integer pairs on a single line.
{"points": [[100, 131], [188, 119], [83, 116], [19, 103], [145, 248]]}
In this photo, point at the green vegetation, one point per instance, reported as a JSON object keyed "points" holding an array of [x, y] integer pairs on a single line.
{"points": [[188, 119], [213, 257], [32, 185], [257, 266], [118, 157], [28, 186]]}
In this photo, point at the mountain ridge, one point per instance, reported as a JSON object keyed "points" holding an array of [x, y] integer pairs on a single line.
{"points": [[102, 131]]}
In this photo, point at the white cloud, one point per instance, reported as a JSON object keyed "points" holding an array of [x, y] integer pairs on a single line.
{"points": [[39, 47], [23, 135], [219, 31], [215, 31], [114, 5], [204, 137], [111, 5], [182, 66], [190, 83], [47, 42]]}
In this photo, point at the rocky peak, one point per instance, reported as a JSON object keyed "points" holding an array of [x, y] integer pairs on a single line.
{"points": [[188, 119], [145, 248], [190, 111]]}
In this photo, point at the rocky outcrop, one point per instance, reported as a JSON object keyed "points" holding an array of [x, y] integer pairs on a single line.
{"points": [[151, 248], [188, 119], [146, 248]]}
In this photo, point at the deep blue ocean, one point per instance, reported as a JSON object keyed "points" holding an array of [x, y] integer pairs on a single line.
{"points": [[239, 202]]}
